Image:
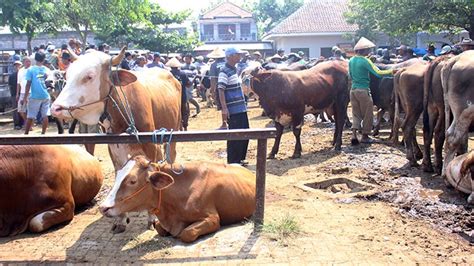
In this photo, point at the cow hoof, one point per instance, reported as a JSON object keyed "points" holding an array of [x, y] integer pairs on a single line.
{"points": [[427, 168], [296, 156], [118, 228], [337, 148], [376, 133], [354, 142], [271, 156], [470, 199]]}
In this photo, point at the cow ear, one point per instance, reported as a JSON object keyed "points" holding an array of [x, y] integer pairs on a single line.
{"points": [[262, 76], [123, 77], [160, 180]]}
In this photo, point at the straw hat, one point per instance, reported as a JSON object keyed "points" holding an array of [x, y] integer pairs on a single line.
{"points": [[257, 53], [364, 43], [466, 42], [173, 62], [276, 56], [217, 53]]}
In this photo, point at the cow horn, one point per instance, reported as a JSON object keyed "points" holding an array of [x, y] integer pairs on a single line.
{"points": [[118, 58]]}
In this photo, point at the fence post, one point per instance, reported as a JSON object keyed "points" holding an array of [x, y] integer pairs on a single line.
{"points": [[260, 187]]}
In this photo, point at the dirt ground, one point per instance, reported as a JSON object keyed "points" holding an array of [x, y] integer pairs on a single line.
{"points": [[363, 205]]}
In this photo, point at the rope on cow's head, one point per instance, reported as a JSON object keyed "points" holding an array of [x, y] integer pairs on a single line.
{"points": [[128, 116], [167, 147]]}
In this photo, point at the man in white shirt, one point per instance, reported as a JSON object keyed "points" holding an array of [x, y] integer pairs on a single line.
{"points": [[21, 86], [140, 64]]}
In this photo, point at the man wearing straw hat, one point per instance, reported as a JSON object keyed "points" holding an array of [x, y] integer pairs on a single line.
{"points": [[219, 56], [361, 100], [175, 65]]}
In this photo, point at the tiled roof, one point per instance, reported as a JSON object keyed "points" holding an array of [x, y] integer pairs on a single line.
{"points": [[316, 16], [226, 10]]}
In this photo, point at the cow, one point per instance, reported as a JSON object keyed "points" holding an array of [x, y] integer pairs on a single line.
{"points": [[286, 96], [433, 115], [460, 174], [194, 202], [458, 92], [408, 87], [144, 101], [41, 185]]}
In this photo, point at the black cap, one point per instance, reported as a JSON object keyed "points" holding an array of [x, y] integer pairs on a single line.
{"points": [[66, 56]]}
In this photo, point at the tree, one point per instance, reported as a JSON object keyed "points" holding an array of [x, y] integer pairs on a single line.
{"points": [[113, 16], [271, 12], [153, 32], [27, 16], [397, 18]]}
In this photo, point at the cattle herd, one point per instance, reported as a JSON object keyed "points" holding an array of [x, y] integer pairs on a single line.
{"points": [[202, 196]]}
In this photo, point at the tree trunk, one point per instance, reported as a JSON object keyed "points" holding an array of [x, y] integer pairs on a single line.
{"points": [[471, 26], [28, 44]]}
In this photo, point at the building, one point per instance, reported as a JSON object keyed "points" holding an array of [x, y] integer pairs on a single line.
{"points": [[228, 25], [314, 29], [10, 41]]}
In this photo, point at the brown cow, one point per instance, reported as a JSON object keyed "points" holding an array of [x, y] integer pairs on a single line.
{"points": [[408, 87], [433, 115], [188, 204], [286, 96], [152, 101], [458, 87], [41, 185], [460, 174]]}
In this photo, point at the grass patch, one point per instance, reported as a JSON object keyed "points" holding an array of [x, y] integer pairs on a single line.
{"points": [[282, 228]]}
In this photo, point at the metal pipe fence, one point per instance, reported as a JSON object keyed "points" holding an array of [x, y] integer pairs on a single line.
{"points": [[261, 135]]}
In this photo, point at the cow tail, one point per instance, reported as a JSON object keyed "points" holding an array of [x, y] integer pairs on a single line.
{"points": [[426, 94], [396, 118], [445, 73]]}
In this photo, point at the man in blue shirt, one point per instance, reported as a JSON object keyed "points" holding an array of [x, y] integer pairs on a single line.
{"points": [[38, 100], [234, 108], [156, 61]]}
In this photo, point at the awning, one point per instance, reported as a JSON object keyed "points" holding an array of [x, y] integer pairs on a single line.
{"points": [[259, 46]]}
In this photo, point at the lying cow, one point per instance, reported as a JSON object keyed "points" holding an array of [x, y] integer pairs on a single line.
{"points": [[458, 89], [408, 86], [189, 204], [460, 174], [41, 186], [286, 96]]}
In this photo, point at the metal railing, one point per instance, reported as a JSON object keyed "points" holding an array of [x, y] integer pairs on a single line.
{"points": [[261, 135]]}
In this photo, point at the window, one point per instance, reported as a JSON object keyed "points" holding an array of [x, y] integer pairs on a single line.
{"points": [[209, 30], [326, 51], [304, 50], [245, 31], [227, 32]]}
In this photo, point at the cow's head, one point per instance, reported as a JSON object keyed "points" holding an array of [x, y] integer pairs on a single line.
{"points": [[55, 83], [135, 188], [257, 78], [89, 81]]}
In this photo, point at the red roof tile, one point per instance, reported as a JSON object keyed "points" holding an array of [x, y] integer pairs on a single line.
{"points": [[316, 16], [227, 10]]}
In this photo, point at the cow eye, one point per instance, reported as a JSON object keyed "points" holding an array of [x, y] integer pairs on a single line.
{"points": [[133, 182]]}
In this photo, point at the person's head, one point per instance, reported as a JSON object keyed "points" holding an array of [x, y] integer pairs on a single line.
{"points": [[410, 52], [200, 58], [174, 64], [446, 50], [188, 59], [128, 56], [39, 57], [431, 48], [42, 48], [257, 55], [17, 65], [276, 58], [402, 50], [156, 57], [63, 47], [72, 43], [281, 52], [26, 62], [141, 61], [92, 46], [66, 58], [363, 46], [232, 55], [35, 49], [50, 48], [17, 51], [467, 44]]}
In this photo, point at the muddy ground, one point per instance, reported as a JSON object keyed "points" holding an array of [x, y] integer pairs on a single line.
{"points": [[361, 205]]}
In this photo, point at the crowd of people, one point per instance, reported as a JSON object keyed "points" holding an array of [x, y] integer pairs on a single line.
{"points": [[214, 77]]}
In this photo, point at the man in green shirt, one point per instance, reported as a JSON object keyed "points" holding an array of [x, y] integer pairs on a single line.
{"points": [[361, 100]]}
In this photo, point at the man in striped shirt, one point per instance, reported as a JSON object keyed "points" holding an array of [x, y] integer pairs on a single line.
{"points": [[234, 107]]}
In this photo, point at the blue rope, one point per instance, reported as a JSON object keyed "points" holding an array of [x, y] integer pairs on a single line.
{"points": [[154, 139]]}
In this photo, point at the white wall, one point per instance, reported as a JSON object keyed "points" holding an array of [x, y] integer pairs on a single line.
{"points": [[314, 43]]}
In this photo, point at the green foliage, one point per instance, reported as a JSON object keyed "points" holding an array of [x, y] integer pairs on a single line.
{"points": [[282, 228], [271, 12], [398, 18], [28, 16]]}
